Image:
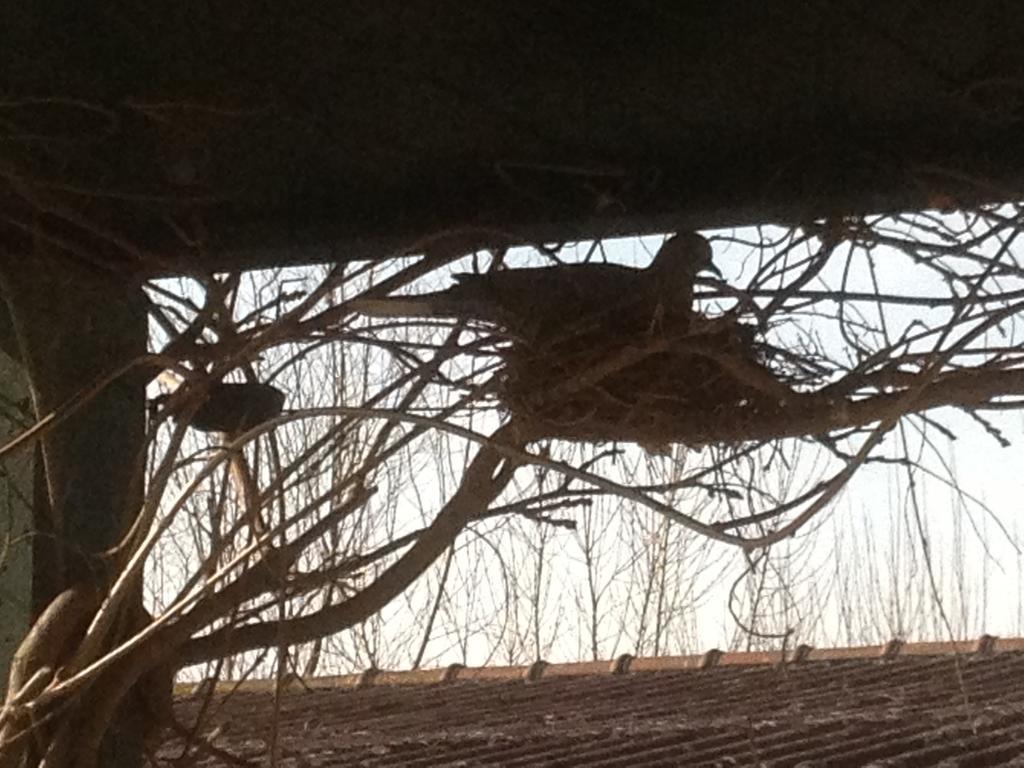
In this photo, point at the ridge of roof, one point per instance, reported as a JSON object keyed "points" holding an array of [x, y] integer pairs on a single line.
{"points": [[894, 650]]}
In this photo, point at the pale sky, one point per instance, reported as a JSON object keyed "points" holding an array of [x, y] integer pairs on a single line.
{"points": [[864, 553]]}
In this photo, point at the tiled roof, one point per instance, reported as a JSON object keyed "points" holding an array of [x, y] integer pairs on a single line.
{"points": [[893, 705]]}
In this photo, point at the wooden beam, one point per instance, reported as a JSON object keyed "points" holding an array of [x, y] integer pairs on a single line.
{"points": [[73, 325], [16, 474]]}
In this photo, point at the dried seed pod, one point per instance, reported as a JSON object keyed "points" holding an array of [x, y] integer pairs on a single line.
{"points": [[237, 406]]}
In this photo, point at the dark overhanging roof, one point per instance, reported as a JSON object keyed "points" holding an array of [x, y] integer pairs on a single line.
{"points": [[302, 132]]}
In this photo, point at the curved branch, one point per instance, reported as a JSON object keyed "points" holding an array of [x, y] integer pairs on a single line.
{"points": [[481, 484], [805, 414]]}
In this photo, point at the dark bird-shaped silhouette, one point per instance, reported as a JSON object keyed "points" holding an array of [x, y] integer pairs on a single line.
{"points": [[234, 407], [541, 303]]}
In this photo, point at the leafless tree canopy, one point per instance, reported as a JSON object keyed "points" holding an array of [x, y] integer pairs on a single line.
{"points": [[842, 337]]}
